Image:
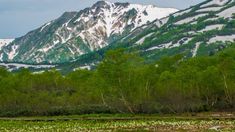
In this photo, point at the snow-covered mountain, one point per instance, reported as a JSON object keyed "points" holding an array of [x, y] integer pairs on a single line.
{"points": [[80, 39], [77, 33], [202, 29], [4, 42]]}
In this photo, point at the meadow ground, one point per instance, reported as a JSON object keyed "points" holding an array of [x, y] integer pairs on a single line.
{"points": [[198, 122]]}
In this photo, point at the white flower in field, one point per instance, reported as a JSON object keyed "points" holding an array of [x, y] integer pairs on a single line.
{"points": [[156, 65], [215, 128]]}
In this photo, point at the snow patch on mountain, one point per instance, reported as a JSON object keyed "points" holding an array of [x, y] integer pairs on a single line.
{"points": [[222, 38], [212, 27], [162, 46], [152, 13], [13, 52], [162, 21], [208, 9], [142, 39], [228, 13], [190, 19], [47, 24], [4, 42], [169, 45], [179, 13], [48, 47], [194, 52], [215, 2], [15, 66]]}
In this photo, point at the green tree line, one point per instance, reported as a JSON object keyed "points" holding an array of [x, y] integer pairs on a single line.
{"points": [[124, 83]]}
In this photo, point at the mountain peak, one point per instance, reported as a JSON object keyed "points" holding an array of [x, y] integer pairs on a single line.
{"points": [[102, 4], [78, 33], [108, 4]]}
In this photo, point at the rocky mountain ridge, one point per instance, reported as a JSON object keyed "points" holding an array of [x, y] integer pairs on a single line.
{"points": [[77, 33]]}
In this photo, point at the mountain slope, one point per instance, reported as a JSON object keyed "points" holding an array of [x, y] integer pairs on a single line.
{"points": [[78, 33], [199, 30], [203, 29], [4, 42]]}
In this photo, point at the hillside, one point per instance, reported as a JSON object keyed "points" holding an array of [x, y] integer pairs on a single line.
{"points": [[4, 42], [77, 33], [200, 30]]}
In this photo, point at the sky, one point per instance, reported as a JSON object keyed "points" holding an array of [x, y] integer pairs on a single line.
{"points": [[17, 17]]}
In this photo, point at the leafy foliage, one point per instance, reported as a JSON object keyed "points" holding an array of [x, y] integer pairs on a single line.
{"points": [[124, 83]]}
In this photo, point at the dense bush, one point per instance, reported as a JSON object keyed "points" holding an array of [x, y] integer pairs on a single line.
{"points": [[124, 83]]}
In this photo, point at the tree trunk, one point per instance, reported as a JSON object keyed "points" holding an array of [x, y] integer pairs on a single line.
{"points": [[226, 90]]}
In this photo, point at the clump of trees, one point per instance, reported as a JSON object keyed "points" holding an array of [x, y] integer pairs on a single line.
{"points": [[124, 83]]}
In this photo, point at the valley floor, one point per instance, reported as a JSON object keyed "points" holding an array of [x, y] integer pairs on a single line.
{"points": [[184, 122]]}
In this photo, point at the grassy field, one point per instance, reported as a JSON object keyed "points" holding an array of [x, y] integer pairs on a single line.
{"points": [[212, 122]]}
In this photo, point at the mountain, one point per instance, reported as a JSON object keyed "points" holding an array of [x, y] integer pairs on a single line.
{"points": [[4, 42], [78, 33], [200, 30]]}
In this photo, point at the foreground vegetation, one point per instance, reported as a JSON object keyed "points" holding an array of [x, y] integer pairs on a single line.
{"points": [[116, 123], [124, 83], [131, 125]]}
